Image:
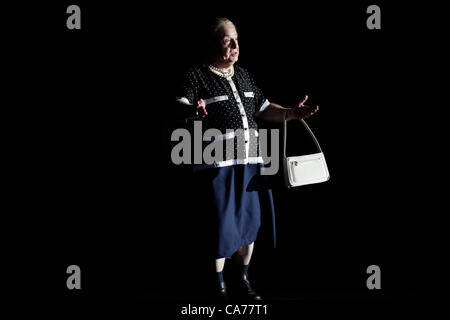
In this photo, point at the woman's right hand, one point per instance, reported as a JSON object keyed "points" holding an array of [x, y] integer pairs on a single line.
{"points": [[201, 108]]}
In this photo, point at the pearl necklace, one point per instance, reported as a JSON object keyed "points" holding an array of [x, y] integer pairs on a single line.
{"points": [[222, 73]]}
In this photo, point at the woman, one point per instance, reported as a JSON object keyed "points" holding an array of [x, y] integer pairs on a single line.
{"points": [[227, 99]]}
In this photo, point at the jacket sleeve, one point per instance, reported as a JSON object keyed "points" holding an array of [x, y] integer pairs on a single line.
{"points": [[187, 96], [261, 101]]}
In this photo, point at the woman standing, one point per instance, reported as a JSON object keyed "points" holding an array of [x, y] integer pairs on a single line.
{"points": [[227, 99]]}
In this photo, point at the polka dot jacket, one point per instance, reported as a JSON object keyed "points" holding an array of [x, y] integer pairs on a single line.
{"points": [[232, 104]]}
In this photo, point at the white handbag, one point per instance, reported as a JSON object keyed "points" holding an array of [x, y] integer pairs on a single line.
{"points": [[306, 169]]}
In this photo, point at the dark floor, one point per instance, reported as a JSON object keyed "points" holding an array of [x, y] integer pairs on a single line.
{"points": [[282, 305]]}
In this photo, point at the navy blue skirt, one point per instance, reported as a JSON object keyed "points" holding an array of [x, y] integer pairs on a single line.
{"points": [[236, 201]]}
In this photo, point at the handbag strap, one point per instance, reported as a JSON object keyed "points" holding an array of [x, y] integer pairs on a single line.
{"points": [[307, 128]]}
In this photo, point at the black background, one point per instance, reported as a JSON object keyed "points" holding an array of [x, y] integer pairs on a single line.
{"points": [[93, 184]]}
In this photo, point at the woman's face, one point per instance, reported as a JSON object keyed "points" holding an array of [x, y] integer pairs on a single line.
{"points": [[229, 44]]}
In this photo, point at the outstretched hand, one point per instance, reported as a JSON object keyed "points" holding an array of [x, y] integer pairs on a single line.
{"points": [[301, 110]]}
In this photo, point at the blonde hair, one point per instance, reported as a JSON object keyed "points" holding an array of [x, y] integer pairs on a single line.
{"points": [[219, 23]]}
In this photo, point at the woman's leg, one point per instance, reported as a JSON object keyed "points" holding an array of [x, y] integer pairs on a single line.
{"points": [[244, 254], [221, 289], [220, 263]]}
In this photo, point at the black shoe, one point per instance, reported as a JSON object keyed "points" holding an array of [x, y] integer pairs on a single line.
{"points": [[217, 292], [221, 293], [245, 291]]}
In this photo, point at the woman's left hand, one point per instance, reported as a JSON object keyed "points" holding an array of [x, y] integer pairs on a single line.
{"points": [[301, 111]]}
